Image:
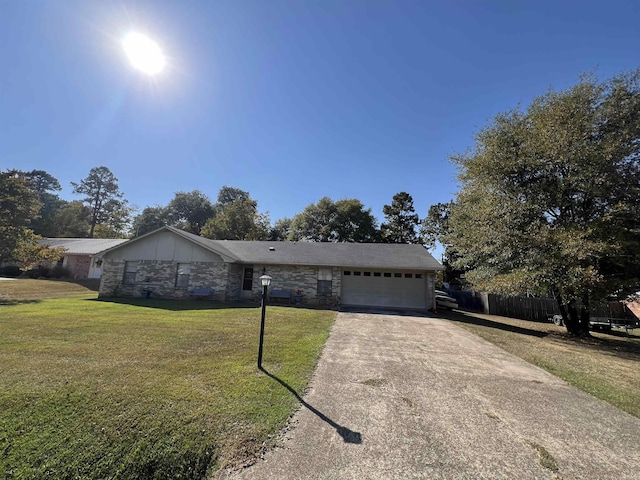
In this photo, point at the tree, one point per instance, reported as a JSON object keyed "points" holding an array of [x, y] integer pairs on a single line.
{"points": [[280, 230], [150, 219], [226, 195], [327, 221], [435, 226], [550, 198], [352, 223], [238, 220], [190, 210], [314, 223], [19, 204], [72, 220], [44, 184], [402, 221], [103, 196], [29, 253]]}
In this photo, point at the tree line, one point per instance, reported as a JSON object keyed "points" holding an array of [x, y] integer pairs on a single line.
{"points": [[31, 208]]}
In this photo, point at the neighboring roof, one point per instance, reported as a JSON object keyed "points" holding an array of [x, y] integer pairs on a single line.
{"points": [[361, 255], [83, 246]]}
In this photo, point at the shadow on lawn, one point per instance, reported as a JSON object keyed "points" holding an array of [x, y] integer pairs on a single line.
{"points": [[349, 436], [4, 302], [469, 318], [175, 305], [614, 343]]}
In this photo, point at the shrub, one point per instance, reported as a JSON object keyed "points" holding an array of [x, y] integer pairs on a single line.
{"points": [[39, 272], [10, 271], [60, 272]]}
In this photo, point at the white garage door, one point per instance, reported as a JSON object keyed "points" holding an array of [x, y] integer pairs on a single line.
{"points": [[384, 289]]}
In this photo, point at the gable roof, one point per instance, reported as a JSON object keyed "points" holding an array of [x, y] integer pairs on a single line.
{"points": [[82, 246], [361, 255]]}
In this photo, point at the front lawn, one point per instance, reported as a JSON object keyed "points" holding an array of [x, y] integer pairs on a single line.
{"points": [[147, 388]]}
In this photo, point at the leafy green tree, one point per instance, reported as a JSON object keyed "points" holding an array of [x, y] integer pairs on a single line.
{"points": [[45, 184], [435, 225], [19, 204], [550, 198], [434, 228], [72, 220], [353, 223], [401, 220], [327, 221], [227, 195], [150, 219], [28, 252], [190, 211], [314, 223], [103, 196], [279, 232], [238, 220]]}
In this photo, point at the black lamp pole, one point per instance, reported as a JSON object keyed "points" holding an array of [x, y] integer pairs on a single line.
{"points": [[265, 280]]}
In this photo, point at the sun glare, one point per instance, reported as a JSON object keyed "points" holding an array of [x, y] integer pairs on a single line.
{"points": [[144, 54]]}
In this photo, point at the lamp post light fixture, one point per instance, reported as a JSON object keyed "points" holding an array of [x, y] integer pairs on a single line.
{"points": [[265, 280]]}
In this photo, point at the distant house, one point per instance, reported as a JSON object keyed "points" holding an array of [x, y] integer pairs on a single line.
{"points": [[80, 255], [171, 263]]}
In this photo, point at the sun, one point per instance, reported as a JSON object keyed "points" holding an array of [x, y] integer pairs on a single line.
{"points": [[144, 54]]}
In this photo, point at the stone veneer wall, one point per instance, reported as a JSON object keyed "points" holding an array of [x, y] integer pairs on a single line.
{"points": [[161, 277], [234, 281], [290, 277]]}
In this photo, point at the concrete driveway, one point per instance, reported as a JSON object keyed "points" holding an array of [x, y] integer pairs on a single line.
{"points": [[398, 397]]}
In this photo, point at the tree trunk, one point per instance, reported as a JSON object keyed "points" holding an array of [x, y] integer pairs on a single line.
{"points": [[576, 321]]}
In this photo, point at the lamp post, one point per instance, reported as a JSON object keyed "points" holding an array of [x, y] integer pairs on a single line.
{"points": [[265, 280]]}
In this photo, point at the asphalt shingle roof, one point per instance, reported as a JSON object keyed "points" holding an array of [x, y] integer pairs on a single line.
{"points": [[363, 255], [83, 246]]}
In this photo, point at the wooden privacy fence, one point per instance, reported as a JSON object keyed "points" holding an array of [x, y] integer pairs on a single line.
{"points": [[528, 308], [525, 308]]}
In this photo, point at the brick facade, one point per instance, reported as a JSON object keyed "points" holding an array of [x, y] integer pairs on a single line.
{"points": [[291, 277], [224, 278], [78, 265], [160, 278]]}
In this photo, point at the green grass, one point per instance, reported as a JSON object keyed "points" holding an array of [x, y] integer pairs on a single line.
{"points": [[145, 389], [23, 290], [604, 365]]}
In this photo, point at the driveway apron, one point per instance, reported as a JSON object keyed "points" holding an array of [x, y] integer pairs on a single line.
{"points": [[397, 397]]}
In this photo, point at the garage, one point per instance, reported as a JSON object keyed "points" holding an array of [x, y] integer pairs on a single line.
{"points": [[395, 289]]}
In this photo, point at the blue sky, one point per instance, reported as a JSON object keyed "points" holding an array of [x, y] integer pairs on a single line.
{"points": [[290, 100]]}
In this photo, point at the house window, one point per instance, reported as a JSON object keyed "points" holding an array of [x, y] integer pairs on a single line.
{"points": [[418, 275], [376, 274], [387, 274], [347, 272], [182, 275], [367, 274], [247, 279], [357, 274], [397, 275], [130, 270], [325, 277], [408, 275]]}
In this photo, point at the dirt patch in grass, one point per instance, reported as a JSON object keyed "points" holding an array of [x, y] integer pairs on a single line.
{"points": [[604, 365]]}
